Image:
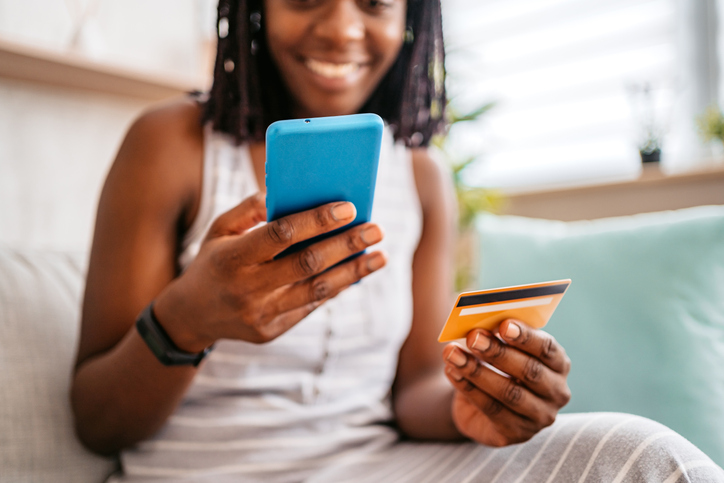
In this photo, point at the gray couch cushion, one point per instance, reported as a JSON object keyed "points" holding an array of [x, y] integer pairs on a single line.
{"points": [[40, 296]]}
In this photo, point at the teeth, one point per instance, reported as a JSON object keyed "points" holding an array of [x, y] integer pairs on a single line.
{"points": [[328, 69]]}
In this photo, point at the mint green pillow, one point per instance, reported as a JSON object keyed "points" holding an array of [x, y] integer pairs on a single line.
{"points": [[643, 320]]}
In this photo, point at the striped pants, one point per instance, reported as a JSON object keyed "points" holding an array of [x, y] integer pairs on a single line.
{"points": [[593, 447], [597, 447]]}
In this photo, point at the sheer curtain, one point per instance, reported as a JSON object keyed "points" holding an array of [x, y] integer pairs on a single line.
{"points": [[568, 78]]}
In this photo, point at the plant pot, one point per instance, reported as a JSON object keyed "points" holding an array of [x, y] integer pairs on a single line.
{"points": [[651, 157]]}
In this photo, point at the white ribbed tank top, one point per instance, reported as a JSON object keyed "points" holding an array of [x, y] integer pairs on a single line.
{"points": [[320, 392]]}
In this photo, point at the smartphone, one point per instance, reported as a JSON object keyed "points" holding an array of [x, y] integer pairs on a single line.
{"points": [[314, 161]]}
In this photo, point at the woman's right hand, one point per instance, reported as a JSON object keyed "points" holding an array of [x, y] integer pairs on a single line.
{"points": [[234, 289]]}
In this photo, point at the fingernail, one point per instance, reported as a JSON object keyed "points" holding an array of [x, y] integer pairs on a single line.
{"points": [[372, 235], [376, 262], [457, 357], [513, 331], [452, 373], [481, 343], [343, 211]]}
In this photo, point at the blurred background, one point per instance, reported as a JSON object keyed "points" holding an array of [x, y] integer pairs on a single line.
{"points": [[568, 94]]}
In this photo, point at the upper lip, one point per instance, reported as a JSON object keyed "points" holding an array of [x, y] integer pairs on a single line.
{"points": [[334, 60]]}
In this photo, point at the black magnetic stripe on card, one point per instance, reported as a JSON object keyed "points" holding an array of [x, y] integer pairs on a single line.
{"points": [[521, 293]]}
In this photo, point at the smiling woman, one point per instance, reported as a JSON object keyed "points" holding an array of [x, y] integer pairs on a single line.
{"points": [[365, 42], [317, 58], [308, 367]]}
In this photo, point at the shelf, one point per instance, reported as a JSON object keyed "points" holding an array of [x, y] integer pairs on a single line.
{"points": [[654, 190], [33, 64]]}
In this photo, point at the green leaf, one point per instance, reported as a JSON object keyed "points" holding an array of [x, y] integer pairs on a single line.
{"points": [[454, 117]]}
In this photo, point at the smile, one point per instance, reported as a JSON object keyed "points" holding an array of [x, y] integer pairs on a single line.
{"points": [[331, 70]]}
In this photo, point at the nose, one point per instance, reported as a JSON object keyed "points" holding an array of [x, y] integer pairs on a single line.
{"points": [[340, 23]]}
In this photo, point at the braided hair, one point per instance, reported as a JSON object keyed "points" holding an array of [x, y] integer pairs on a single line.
{"points": [[248, 93]]}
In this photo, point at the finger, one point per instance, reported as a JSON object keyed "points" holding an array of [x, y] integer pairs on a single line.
{"points": [[536, 343], [241, 218], [330, 283], [264, 243], [514, 427], [503, 389], [320, 256], [529, 370]]}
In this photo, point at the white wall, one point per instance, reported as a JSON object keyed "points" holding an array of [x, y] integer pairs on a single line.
{"points": [[55, 149], [56, 145], [160, 35]]}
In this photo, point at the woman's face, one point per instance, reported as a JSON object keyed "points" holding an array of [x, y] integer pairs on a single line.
{"points": [[332, 53]]}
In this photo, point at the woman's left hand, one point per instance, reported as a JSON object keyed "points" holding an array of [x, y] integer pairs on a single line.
{"points": [[498, 410]]}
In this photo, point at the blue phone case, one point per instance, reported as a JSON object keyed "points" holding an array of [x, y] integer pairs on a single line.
{"points": [[310, 162]]}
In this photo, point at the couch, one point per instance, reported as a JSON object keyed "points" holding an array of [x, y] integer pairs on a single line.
{"points": [[643, 322]]}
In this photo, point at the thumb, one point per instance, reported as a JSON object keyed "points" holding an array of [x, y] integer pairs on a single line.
{"points": [[239, 219]]}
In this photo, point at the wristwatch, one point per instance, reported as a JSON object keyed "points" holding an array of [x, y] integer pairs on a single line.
{"points": [[161, 344]]}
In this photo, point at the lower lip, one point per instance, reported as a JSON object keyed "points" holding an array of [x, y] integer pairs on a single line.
{"points": [[335, 83]]}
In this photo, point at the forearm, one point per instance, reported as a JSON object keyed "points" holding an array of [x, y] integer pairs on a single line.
{"points": [[123, 396], [423, 408]]}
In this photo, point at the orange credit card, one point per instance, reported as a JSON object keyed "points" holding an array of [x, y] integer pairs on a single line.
{"points": [[533, 304]]}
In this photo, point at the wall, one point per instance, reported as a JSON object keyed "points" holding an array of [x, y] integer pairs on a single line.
{"points": [[56, 144], [55, 149]]}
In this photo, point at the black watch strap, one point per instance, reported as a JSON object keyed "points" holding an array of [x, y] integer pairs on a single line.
{"points": [[161, 344]]}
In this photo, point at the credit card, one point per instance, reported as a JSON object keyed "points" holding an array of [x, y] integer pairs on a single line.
{"points": [[485, 309]]}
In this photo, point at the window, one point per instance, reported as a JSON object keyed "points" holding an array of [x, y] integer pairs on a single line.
{"points": [[567, 78]]}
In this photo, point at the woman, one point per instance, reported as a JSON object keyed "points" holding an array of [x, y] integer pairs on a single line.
{"points": [[309, 369]]}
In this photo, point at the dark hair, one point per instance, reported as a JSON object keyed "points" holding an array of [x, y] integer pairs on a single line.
{"points": [[248, 93]]}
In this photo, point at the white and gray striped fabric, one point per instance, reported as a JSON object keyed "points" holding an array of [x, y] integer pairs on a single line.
{"points": [[313, 405]]}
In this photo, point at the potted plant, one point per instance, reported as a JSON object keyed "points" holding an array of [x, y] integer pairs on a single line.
{"points": [[711, 125], [648, 118], [650, 147]]}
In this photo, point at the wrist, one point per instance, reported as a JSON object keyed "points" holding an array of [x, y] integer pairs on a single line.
{"points": [[170, 314]]}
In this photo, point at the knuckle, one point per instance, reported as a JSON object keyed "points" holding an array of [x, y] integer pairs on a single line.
{"points": [[264, 337], [258, 334], [323, 217], [492, 407], [354, 242], [308, 262], [498, 441], [547, 419], [497, 350], [512, 394], [566, 364], [525, 335], [477, 369], [565, 396], [468, 386], [320, 290], [549, 349], [533, 370], [360, 270], [280, 231]]}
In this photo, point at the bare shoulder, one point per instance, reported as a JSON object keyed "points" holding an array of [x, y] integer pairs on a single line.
{"points": [[162, 155], [166, 131], [434, 182]]}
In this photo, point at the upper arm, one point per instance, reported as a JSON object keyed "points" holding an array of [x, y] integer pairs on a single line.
{"points": [[432, 269], [149, 197]]}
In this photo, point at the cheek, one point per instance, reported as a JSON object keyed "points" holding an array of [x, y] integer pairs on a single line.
{"points": [[389, 39], [282, 30]]}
